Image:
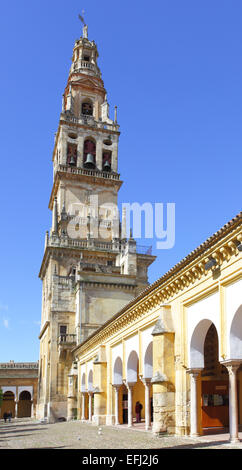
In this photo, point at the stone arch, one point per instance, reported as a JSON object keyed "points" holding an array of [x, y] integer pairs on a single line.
{"points": [[148, 361], [235, 336], [132, 366], [197, 344], [83, 382], [90, 381], [118, 371], [8, 403]]}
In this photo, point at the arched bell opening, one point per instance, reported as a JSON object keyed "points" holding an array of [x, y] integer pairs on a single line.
{"points": [[71, 159], [107, 160], [89, 154], [87, 107]]}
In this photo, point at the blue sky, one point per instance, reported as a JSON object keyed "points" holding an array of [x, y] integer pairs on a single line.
{"points": [[174, 69]]}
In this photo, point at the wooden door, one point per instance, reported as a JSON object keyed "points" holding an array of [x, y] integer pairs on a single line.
{"points": [[215, 403]]}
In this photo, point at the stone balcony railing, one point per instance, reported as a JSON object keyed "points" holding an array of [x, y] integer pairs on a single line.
{"points": [[88, 172], [89, 121], [92, 244], [67, 339]]}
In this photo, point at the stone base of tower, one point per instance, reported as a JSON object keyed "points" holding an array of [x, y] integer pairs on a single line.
{"points": [[52, 411]]}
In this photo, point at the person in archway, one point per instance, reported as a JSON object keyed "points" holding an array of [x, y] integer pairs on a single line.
{"points": [[140, 408], [9, 416], [5, 416], [137, 411]]}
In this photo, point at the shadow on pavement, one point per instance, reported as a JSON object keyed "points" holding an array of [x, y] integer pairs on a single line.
{"points": [[198, 445], [15, 430]]}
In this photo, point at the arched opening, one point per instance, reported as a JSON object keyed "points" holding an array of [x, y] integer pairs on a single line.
{"points": [[148, 374], [138, 391], [213, 384], [8, 404], [235, 337], [89, 153], [132, 367], [120, 392], [24, 405], [107, 160], [90, 395], [83, 382], [87, 108], [71, 158], [148, 362], [90, 381], [118, 372]]}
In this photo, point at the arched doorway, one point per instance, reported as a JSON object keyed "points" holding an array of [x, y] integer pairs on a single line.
{"points": [[135, 388], [214, 385], [24, 404], [8, 403]]}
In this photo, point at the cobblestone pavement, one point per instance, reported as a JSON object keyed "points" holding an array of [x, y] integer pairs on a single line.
{"points": [[31, 434]]}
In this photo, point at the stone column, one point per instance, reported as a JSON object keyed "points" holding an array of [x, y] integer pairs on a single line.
{"points": [[90, 406], [32, 409], [116, 388], [147, 384], [16, 408], [232, 367], [99, 154], [83, 406], [130, 404], [194, 373]]}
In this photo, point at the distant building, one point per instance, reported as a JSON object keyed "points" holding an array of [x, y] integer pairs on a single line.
{"points": [[19, 383]]}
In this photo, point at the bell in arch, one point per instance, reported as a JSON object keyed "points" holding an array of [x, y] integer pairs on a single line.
{"points": [[90, 162], [107, 166], [72, 161]]}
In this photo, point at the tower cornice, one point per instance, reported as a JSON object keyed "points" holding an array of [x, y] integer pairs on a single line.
{"points": [[94, 177]]}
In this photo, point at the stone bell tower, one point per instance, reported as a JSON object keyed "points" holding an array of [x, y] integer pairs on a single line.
{"points": [[90, 268]]}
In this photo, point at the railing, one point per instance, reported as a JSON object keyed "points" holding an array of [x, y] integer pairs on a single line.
{"points": [[86, 172], [99, 124], [67, 339]]}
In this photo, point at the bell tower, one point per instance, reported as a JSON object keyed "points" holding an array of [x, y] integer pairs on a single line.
{"points": [[90, 268]]}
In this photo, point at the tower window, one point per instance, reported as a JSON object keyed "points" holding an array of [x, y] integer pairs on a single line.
{"points": [[87, 109], [86, 58]]}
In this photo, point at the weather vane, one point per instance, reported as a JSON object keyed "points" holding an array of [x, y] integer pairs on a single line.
{"points": [[81, 17]]}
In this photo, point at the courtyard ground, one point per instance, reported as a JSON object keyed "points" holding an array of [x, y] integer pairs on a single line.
{"points": [[32, 434]]}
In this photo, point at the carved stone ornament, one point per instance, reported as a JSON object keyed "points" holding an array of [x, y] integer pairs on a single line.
{"points": [[159, 378], [159, 328]]}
